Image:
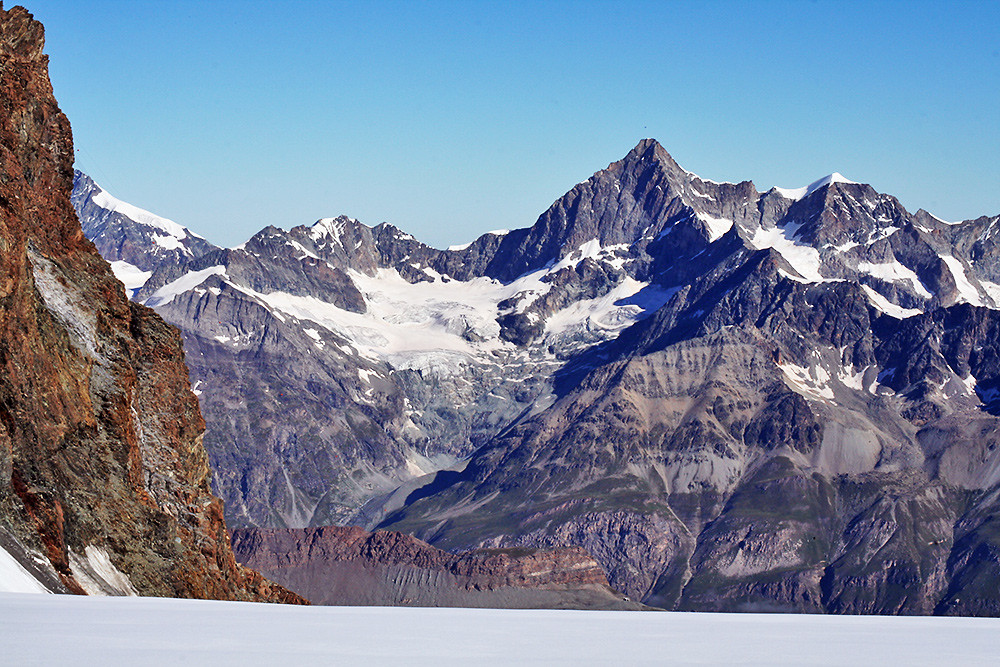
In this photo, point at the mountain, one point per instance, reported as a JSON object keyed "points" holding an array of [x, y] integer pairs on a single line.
{"points": [[104, 483], [733, 399], [350, 566], [142, 241], [366, 359]]}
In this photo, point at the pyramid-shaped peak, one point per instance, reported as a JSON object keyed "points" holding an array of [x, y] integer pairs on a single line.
{"points": [[650, 148], [647, 144], [647, 153]]}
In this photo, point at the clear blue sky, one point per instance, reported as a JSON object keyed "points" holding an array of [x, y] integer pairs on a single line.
{"points": [[449, 119]]}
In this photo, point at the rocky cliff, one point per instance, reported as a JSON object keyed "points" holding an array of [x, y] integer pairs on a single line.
{"points": [[350, 566], [103, 477]]}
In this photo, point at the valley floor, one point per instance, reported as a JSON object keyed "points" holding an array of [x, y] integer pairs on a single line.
{"points": [[51, 629]]}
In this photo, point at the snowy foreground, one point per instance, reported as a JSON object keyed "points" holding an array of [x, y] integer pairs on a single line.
{"points": [[51, 629]]}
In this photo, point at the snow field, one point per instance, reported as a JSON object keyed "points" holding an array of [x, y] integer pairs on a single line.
{"points": [[15, 579], [49, 629]]}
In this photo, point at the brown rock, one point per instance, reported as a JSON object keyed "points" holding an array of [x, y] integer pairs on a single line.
{"points": [[348, 565], [100, 435]]}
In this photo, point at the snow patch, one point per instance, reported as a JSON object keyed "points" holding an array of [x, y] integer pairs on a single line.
{"points": [[14, 578], [796, 194], [895, 272], [168, 242], [851, 379], [188, 281], [812, 382], [889, 308], [314, 334], [943, 222], [803, 258], [966, 291], [131, 276], [329, 227], [619, 308], [142, 216], [716, 226], [844, 247]]}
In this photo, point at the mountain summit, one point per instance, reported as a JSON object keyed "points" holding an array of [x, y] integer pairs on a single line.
{"points": [[783, 400]]}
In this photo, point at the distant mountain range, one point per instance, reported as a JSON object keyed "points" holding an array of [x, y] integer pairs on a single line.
{"points": [[734, 400]]}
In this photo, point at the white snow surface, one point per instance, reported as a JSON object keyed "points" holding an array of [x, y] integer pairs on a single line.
{"points": [[131, 276], [616, 310], [894, 271], [15, 579], [333, 227], [425, 324], [463, 246], [168, 242], [796, 194], [142, 216], [803, 258], [966, 291], [188, 281], [716, 226], [888, 307], [812, 382], [66, 629]]}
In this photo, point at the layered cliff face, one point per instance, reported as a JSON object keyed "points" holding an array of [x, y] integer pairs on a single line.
{"points": [[102, 471], [350, 566]]}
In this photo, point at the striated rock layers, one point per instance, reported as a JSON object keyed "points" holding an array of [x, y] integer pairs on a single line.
{"points": [[350, 566], [103, 477]]}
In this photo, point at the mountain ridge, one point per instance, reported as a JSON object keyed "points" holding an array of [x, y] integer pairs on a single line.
{"points": [[724, 395]]}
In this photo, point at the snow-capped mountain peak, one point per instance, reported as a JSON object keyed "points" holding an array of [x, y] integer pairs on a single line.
{"points": [[653, 332], [796, 194], [142, 241]]}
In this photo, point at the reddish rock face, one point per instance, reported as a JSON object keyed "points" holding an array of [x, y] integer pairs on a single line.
{"points": [[334, 565], [100, 435], [481, 569]]}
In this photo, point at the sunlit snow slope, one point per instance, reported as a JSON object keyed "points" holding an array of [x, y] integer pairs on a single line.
{"points": [[39, 630]]}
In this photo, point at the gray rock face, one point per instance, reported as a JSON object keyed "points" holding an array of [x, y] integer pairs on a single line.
{"points": [[734, 400]]}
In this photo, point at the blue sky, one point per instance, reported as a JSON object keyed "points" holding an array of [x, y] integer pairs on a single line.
{"points": [[449, 119]]}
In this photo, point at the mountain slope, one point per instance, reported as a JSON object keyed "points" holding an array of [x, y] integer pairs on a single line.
{"points": [[104, 483], [141, 241], [734, 399]]}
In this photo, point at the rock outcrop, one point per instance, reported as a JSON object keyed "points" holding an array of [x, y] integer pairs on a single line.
{"points": [[102, 470], [350, 566]]}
